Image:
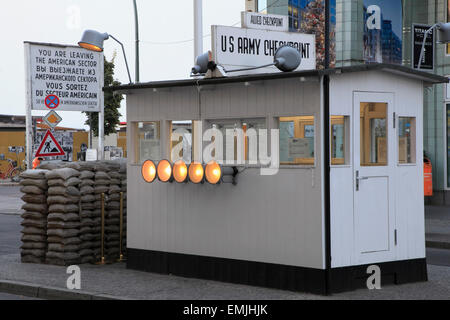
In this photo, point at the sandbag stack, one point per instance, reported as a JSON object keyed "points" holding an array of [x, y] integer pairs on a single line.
{"points": [[101, 185], [34, 219], [112, 219], [123, 186], [63, 220], [89, 223]]}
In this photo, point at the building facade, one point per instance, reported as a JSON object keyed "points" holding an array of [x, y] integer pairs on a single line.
{"points": [[368, 31]]}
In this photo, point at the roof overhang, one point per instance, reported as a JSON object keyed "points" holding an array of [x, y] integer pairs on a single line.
{"points": [[427, 78]]}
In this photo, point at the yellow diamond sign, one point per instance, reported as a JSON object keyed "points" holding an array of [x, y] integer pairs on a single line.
{"points": [[52, 119]]}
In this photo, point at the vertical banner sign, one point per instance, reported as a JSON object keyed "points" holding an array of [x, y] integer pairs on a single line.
{"points": [[418, 33], [236, 47], [383, 31], [64, 77]]}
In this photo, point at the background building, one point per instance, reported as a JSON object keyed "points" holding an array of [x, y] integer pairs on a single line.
{"points": [[388, 40]]}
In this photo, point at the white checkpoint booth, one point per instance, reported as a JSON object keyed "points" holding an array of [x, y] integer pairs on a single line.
{"points": [[284, 230]]}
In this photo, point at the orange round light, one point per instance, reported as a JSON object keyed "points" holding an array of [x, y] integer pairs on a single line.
{"points": [[180, 171], [213, 172], [164, 170], [196, 172], [148, 171]]}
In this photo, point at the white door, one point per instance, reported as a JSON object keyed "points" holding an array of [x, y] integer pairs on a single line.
{"points": [[374, 162]]}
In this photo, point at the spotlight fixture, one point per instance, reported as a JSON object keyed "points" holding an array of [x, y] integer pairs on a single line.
{"points": [[164, 170], [213, 172], [148, 171], [180, 171], [196, 172]]}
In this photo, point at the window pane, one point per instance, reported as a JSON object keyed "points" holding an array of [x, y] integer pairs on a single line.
{"points": [[181, 141], [297, 140], [339, 129], [148, 141], [243, 129], [406, 140], [373, 134]]}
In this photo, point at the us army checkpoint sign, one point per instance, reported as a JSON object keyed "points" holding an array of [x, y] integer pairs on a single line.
{"points": [[73, 74]]}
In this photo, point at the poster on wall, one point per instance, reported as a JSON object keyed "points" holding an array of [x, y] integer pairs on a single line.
{"points": [[382, 31]]}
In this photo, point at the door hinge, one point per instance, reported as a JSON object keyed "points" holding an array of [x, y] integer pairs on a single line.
{"points": [[395, 236], [394, 119]]}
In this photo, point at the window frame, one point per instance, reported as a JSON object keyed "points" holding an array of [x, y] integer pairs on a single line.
{"points": [[303, 162], [136, 143], [397, 126], [207, 123]]}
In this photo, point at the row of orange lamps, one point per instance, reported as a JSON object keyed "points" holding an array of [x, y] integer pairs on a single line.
{"points": [[180, 172]]}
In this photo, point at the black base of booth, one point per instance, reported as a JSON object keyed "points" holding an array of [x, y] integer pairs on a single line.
{"points": [[273, 275]]}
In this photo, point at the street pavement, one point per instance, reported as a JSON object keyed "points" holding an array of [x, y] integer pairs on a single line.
{"points": [[118, 281]]}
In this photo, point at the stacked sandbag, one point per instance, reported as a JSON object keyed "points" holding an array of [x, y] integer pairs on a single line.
{"points": [[101, 185], [112, 220], [63, 220], [123, 185], [90, 228], [34, 219]]}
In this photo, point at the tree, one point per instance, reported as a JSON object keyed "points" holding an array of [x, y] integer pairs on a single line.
{"points": [[112, 103]]}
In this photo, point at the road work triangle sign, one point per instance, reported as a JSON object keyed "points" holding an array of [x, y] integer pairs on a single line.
{"points": [[49, 147]]}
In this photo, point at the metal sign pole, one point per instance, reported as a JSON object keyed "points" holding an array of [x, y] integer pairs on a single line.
{"points": [[198, 28], [101, 114], [28, 103]]}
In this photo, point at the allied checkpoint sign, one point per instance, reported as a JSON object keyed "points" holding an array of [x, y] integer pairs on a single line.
{"points": [[238, 47], [69, 78]]}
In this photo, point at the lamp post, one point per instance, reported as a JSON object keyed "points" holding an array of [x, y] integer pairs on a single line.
{"points": [[443, 37], [93, 40], [136, 29]]}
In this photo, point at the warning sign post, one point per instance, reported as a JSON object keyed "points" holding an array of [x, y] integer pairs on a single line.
{"points": [[49, 147]]}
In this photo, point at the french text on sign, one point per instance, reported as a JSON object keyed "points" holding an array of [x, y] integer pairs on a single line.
{"points": [[49, 147]]}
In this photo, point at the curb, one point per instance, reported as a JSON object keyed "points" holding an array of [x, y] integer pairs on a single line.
{"points": [[50, 293], [437, 244]]}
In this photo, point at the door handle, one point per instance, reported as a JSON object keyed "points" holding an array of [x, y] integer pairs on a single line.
{"points": [[358, 178]]}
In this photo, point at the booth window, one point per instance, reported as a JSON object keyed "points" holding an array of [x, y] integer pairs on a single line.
{"points": [[297, 136], [373, 134], [147, 141], [241, 146], [406, 140], [180, 142], [339, 144]]}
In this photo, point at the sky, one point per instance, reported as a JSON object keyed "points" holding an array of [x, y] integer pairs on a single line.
{"points": [[166, 33]]}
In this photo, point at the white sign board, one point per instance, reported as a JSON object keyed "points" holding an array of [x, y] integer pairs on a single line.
{"points": [[237, 47], [73, 74], [274, 22], [91, 155]]}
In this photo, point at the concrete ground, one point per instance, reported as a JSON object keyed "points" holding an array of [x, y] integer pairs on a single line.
{"points": [[115, 280]]}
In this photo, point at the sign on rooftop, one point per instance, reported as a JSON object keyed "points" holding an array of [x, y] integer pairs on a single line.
{"points": [[71, 74], [237, 47], [255, 20]]}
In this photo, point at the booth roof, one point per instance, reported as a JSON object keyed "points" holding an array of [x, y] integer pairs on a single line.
{"points": [[428, 78]]}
